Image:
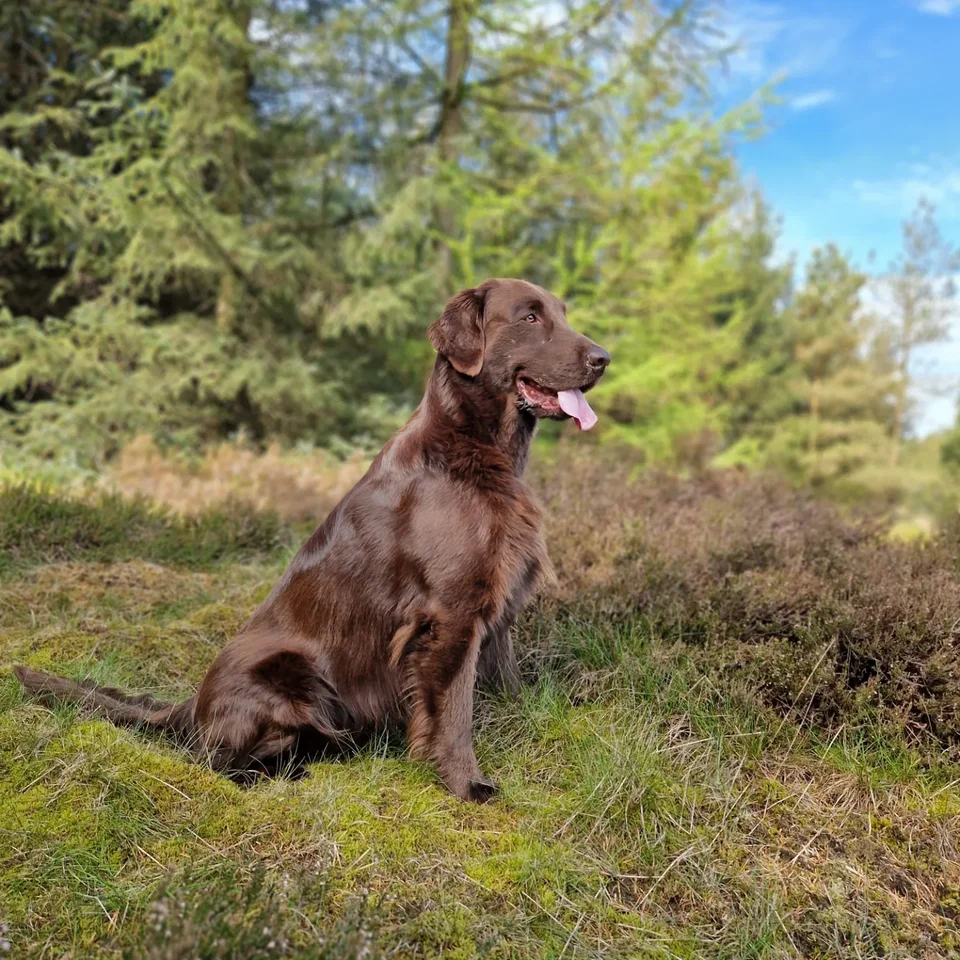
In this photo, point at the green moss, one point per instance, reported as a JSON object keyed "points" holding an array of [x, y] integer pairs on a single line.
{"points": [[642, 812], [448, 931]]}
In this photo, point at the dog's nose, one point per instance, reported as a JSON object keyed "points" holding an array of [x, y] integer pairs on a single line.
{"points": [[597, 359]]}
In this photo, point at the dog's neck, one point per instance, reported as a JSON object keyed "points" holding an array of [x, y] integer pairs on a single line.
{"points": [[479, 413]]}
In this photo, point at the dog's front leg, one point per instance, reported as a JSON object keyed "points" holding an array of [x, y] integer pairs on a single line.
{"points": [[442, 675], [498, 669]]}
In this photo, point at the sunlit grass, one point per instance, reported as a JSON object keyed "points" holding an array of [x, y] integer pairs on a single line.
{"points": [[646, 809]]}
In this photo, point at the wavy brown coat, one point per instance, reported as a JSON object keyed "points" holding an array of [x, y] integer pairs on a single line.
{"points": [[407, 591]]}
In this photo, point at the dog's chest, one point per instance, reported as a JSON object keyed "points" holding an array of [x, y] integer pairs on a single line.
{"points": [[518, 555]]}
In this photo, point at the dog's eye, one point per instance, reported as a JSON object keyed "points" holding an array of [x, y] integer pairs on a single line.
{"points": [[531, 318]]}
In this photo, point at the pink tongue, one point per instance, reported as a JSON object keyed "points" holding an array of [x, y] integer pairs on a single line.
{"points": [[574, 404]]}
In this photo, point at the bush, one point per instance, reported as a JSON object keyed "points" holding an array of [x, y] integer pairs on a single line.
{"points": [[817, 612]]}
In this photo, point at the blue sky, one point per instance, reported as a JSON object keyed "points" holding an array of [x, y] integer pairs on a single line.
{"points": [[869, 122]]}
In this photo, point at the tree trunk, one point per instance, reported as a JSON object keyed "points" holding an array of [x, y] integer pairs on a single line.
{"points": [[234, 169], [451, 114], [812, 451], [899, 415]]}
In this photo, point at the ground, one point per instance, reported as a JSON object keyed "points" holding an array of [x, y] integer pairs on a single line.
{"points": [[646, 809]]}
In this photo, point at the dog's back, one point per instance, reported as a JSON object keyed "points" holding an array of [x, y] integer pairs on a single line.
{"points": [[415, 577]]}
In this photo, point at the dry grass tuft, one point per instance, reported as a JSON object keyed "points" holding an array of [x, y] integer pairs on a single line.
{"points": [[297, 486]]}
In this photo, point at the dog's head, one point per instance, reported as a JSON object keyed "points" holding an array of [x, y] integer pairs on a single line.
{"points": [[514, 337]]}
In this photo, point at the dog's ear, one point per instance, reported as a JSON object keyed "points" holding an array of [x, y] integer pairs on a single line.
{"points": [[458, 334]]}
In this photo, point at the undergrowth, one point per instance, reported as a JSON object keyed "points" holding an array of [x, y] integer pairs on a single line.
{"points": [[816, 613], [698, 766]]}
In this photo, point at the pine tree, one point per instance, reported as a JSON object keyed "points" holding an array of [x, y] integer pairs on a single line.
{"points": [[239, 216], [834, 399], [179, 282], [923, 294]]}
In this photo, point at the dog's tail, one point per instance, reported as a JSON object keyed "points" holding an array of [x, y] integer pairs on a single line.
{"points": [[123, 709]]}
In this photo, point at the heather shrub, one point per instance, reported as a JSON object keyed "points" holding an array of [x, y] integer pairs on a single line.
{"points": [[655, 799], [816, 611], [811, 609]]}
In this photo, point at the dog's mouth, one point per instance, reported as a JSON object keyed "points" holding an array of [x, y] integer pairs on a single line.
{"points": [[556, 403]]}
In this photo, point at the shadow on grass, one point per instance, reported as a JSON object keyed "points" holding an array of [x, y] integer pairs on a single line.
{"points": [[38, 527]]}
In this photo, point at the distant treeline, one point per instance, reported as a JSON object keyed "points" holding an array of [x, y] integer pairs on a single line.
{"points": [[237, 217]]}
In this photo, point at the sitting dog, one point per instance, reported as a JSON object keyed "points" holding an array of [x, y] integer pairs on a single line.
{"points": [[406, 593]]}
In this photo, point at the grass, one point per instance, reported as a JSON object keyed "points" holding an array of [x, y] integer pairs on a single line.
{"points": [[650, 806], [302, 484], [38, 526]]}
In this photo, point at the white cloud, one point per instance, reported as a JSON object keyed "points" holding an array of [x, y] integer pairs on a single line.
{"points": [[548, 14], [937, 180], [259, 30], [810, 101], [772, 40], [751, 30], [941, 8], [884, 44]]}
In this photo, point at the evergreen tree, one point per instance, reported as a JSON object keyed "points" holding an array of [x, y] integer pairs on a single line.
{"points": [[829, 386], [239, 216], [923, 295], [182, 260], [841, 400]]}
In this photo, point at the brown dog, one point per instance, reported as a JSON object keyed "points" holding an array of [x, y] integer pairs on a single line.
{"points": [[407, 591]]}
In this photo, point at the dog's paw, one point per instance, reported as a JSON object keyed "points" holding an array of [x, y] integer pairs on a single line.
{"points": [[480, 791]]}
